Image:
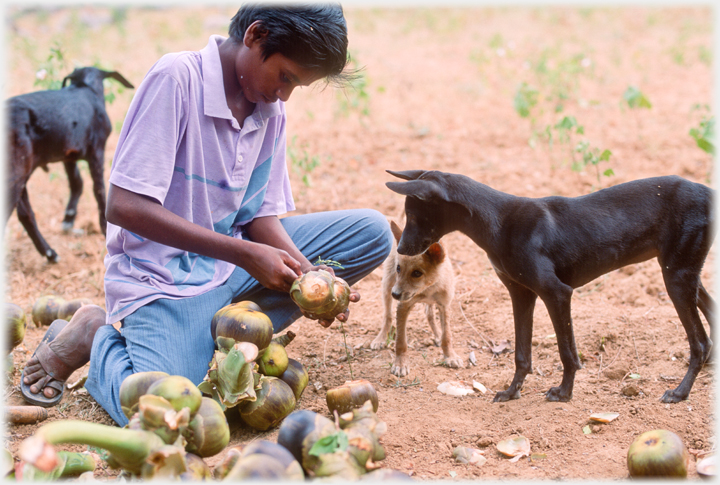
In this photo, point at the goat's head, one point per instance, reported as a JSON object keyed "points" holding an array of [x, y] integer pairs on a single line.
{"points": [[92, 77]]}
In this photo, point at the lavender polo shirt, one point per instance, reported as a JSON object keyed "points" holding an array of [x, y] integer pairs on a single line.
{"points": [[181, 146]]}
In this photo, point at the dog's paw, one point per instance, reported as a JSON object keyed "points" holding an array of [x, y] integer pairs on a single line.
{"points": [[400, 369], [455, 361], [378, 343], [555, 394], [671, 396]]}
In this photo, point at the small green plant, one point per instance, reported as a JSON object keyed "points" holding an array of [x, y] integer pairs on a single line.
{"points": [[50, 73], [635, 98], [526, 98], [328, 262], [704, 135], [592, 156], [301, 161]]}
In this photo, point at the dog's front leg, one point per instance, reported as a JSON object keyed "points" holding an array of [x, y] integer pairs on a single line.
{"points": [[557, 302], [400, 367], [523, 304], [430, 315]]}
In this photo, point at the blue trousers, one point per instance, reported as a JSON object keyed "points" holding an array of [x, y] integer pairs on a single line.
{"points": [[174, 335]]}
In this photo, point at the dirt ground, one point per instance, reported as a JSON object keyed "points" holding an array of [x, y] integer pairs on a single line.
{"points": [[437, 92]]}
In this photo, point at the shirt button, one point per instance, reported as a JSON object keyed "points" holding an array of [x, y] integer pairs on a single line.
{"points": [[240, 158]]}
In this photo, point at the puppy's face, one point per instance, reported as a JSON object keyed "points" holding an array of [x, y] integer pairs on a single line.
{"points": [[422, 229], [414, 274]]}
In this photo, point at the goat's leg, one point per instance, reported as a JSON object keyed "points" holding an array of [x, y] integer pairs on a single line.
{"points": [[96, 162], [27, 219], [76, 188], [523, 304]]}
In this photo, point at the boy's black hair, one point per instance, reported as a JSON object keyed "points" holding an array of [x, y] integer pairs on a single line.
{"points": [[313, 35]]}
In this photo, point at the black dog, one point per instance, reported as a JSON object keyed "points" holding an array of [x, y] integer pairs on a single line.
{"points": [[67, 125], [546, 247]]}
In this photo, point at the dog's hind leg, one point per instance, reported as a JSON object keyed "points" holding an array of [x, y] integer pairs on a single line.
{"points": [[76, 188], [683, 288], [452, 359], [523, 304], [430, 315], [557, 299], [27, 219], [707, 306]]}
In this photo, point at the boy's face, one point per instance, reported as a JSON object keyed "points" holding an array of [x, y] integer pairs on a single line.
{"points": [[269, 80]]}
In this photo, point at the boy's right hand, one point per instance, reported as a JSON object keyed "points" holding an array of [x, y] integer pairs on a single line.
{"points": [[273, 268]]}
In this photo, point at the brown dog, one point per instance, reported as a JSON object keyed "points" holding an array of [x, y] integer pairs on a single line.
{"points": [[426, 278]]}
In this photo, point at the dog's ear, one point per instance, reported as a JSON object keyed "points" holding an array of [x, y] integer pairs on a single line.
{"points": [[397, 232], [436, 253], [422, 189], [407, 174], [118, 77]]}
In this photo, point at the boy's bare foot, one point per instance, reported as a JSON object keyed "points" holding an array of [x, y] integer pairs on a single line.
{"points": [[53, 362]]}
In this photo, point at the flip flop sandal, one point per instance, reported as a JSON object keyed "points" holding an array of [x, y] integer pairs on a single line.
{"points": [[39, 399]]}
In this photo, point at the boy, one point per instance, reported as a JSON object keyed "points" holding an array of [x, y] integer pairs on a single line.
{"points": [[196, 187]]}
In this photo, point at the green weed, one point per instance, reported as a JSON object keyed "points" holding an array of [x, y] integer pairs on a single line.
{"points": [[635, 99], [356, 98], [51, 72], [301, 162], [704, 135]]}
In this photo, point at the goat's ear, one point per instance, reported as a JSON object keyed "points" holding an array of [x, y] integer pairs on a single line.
{"points": [[421, 189], [436, 253], [397, 232], [65, 80], [407, 174], [119, 78]]}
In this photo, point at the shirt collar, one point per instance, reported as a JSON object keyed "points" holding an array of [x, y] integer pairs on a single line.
{"points": [[214, 91]]}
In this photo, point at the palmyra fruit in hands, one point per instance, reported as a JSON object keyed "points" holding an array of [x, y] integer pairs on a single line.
{"points": [[658, 453], [321, 294], [352, 394]]}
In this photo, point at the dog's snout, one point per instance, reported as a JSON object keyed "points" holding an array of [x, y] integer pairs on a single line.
{"points": [[396, 294]]}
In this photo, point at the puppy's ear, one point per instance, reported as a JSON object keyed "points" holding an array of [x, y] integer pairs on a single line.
{"points": [[422, 189], [397, 232], [436, 253], [407, 174]]}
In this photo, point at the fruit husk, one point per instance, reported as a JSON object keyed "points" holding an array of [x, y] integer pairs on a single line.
{"points": [[70, 464], [363, 416], [156, 414], [179, 391], [352, 394], [706, 466], [296, 376], [128, 449], [285, 338], [243, 323], [208, 433], [274, 361], [313, 291], [134, 386], [68, 308], [658, 454], [230, 380], [45, 309], [197, 469], [231, 457], [275, 400], [16, 321], [301, 429]]}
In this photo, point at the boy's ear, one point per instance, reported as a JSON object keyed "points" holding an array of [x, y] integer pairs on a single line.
{"points": [[436, 253], [255, 33]]}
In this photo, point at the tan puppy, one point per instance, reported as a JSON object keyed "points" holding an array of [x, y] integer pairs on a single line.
{"points": [[426, 278]]}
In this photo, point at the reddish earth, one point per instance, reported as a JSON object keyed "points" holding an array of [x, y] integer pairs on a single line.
{"points": [[438, 94]]}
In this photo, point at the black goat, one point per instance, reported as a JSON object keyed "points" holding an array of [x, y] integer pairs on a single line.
{"points": [[67, 125]]}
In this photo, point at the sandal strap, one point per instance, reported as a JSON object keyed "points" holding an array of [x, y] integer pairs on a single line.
{"points": [[52, 365]]}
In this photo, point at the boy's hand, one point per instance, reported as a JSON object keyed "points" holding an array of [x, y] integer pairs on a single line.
{"points": [[273, 268]]}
